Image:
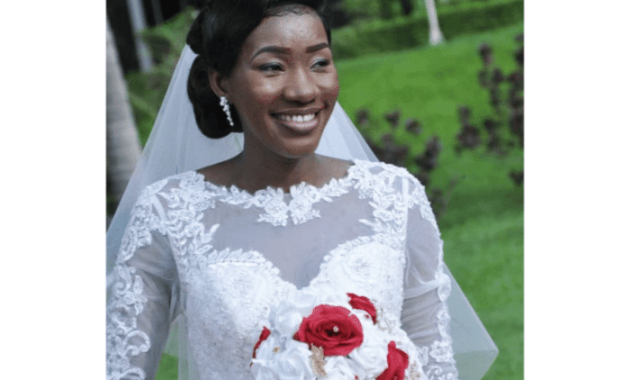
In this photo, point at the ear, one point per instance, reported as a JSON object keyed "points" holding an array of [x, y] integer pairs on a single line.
{"points": [[217, 83]]}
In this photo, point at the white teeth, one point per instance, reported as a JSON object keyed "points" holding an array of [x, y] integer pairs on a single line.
{"points": [[297, 118]]}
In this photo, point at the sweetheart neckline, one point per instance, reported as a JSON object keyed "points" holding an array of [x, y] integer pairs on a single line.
{"points": [[335, 252]]}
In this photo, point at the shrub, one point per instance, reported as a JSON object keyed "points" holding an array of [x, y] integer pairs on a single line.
{"points": [[505, 128], [387, 149], [410, 32]]}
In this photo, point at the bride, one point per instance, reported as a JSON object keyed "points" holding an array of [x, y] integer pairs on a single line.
{"points": [[285, 219]]}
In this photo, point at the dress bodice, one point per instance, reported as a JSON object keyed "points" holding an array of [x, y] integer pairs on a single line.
{"points": [[221, 258]]}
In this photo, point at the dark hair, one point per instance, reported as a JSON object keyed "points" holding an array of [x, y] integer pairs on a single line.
{"points": [[217, 35]]}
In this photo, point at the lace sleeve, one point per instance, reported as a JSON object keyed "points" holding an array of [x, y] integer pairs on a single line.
{"points": [[425, 315], [142, 298]]}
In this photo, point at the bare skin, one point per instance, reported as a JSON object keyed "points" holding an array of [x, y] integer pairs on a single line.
{"points": [[284, 70], [246, 177]]}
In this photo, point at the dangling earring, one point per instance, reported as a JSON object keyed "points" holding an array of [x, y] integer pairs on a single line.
{"points": [[226, 109]]}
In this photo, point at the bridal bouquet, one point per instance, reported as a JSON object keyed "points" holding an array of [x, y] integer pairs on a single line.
{"points": [[313, 336]]}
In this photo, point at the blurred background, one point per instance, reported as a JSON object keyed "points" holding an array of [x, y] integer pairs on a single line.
{"points": [[433, 85]]}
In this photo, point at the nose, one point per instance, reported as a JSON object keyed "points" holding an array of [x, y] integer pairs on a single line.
{"points": [[301, 87]]}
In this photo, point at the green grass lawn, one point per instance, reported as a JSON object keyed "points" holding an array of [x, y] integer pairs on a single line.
{"points": [[483, 226]]}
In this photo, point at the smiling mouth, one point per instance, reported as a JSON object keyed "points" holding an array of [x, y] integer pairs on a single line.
{"points": [[299, 122]]}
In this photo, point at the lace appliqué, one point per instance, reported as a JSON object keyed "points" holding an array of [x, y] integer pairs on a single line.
{"points": [[227, 292], [439, 355], [124, 339], [358, 260], [277, 211], [185, 207], [418, 197], [440, 352]]}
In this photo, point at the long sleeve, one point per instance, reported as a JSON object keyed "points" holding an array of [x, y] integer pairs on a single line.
{"points": [[142, 300], [425, 315]]}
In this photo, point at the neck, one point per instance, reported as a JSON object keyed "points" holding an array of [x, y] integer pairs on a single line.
{"points": [[256, 171]]}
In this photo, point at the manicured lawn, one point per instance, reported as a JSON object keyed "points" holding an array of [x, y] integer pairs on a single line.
{"points": [[483, 226]]}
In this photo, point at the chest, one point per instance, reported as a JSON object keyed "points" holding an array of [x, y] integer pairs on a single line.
{"points": [[238, 257], [227, 296]]}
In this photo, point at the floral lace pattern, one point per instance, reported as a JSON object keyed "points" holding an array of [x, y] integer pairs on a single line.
{"points": [[441, 351], [277, 211], [228, 291], [124, 339]]}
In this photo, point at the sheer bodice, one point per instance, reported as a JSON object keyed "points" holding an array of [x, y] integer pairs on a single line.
{"points": [[220, 258]]}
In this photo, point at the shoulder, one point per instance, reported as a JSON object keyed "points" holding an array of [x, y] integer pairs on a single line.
{"points": [[377, 167], [190, 180], [390, 179], [174, 192], [396, 176]]}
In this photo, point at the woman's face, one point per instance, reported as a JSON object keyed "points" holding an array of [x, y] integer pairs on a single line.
{"points": [[284, 85]]}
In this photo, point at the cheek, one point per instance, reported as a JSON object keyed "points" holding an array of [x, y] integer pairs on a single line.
{"points": [[330, 88], [266, 93], [255, 92]]}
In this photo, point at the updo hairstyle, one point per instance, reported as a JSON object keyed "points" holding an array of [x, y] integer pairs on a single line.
{"points": [[217, 35]]}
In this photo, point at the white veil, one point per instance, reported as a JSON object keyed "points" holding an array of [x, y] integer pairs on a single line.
{"points": [[176, 145]]}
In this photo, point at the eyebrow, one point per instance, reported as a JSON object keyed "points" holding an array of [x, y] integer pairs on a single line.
{"points": [[281, 50], [314, 48]]}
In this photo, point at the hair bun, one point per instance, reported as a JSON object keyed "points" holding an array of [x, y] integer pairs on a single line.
{"points": [[194, 38], [208, 112]]}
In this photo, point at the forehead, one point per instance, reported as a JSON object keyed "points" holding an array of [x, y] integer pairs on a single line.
{"points": [[289, 30]]}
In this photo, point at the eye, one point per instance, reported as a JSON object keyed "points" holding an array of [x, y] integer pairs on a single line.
{"points": [[270, 67], [321, 63]]}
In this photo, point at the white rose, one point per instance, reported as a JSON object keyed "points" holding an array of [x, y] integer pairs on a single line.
{"points": [[266, 349], [338, 368], [263, 372], [262, 366], [370, 359], [304, 301], [285, 319], [293, 363]]}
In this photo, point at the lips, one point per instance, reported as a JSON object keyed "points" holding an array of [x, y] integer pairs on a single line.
{"points": [[300, 121]]}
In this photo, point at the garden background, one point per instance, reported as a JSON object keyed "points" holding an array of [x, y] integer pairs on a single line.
{"points": [[406, 96]]}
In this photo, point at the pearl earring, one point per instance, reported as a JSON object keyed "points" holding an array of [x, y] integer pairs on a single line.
{"points": [[226, 109]]}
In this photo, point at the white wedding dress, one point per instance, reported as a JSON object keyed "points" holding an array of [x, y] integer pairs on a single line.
{"points": [[220, 258]]}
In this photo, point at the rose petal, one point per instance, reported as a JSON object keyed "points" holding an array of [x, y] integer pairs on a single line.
{"points": [[397, 363], [363, 303], [333, 328], [263, 335]]}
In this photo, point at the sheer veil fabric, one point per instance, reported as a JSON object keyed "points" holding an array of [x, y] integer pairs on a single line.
{"points": [[176, 146]]}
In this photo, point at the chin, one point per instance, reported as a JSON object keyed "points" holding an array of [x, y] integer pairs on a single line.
{"points": [[299, 149]]}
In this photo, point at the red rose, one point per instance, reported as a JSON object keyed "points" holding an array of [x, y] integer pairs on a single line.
{"points": [[263, 335], [333, 328], [363, 303], [397, 362]]}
